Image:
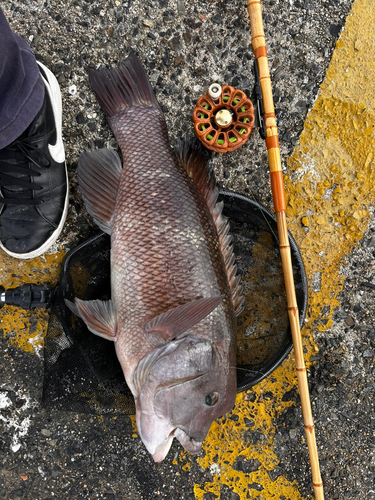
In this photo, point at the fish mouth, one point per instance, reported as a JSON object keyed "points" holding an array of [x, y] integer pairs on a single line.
{"points": [[163, 449], [185, 440], [190, 444]]}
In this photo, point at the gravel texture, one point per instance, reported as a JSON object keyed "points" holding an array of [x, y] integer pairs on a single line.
{"points": [[185, 46]]}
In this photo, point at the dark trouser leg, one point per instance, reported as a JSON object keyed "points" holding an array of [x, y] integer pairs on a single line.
{"points": [[21, 88]]}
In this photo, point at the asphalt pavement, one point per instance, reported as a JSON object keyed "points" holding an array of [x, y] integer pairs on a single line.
{"points": [[322, 61]]}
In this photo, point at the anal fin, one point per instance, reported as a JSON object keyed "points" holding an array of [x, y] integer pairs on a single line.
{"points": [[99, 316]]}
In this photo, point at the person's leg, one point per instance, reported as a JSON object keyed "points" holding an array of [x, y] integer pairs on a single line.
{"points": [[33, 178], [21, 87]]}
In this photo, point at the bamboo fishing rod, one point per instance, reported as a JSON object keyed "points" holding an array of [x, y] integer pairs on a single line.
{"points": [[277, 184]]}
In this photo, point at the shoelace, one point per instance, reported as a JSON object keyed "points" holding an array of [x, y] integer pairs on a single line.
{"points": [[15, 173]]}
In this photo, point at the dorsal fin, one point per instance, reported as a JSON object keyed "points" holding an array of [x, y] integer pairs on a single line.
{"points": [[195, 159]]}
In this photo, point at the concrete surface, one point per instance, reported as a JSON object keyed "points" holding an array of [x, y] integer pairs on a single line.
{"points": [[327, 145]]}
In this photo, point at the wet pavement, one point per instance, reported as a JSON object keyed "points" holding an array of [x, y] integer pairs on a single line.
{"points": [[322, 62]]}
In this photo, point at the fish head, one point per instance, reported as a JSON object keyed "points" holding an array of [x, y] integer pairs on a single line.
{"points": [[185, 389]]}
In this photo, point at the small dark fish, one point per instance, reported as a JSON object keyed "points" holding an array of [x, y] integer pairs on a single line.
{"points": [[175, 293]]}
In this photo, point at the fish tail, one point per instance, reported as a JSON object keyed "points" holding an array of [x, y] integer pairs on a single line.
{"points": [[121, 88]]}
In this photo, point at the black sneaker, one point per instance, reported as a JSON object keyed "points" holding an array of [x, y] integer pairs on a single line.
{"points": [[33, 181]]}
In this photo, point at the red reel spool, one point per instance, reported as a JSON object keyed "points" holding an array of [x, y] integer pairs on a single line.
{"points": [[223, 124]]}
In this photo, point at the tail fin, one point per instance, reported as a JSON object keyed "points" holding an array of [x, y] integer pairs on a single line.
{"points": [[122, 87]]}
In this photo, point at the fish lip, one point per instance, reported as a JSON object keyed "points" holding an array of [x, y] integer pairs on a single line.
{"points": [[163, 449], [187, 442]]}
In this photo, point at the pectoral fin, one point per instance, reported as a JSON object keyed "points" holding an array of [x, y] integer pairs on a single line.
{"points": [[178, 320], [99, 175], [99, 316]]}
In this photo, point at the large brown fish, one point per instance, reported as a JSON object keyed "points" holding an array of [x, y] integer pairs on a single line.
{"points": [[175, 294]]}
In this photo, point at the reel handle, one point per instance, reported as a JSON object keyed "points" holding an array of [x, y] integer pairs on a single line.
{"points": [[27, 296]]}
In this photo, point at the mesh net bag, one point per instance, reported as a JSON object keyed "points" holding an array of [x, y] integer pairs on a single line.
{"points": [[81, 371]]}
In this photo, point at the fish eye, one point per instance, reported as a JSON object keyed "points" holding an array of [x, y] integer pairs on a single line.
{"points": [[212, 399]]}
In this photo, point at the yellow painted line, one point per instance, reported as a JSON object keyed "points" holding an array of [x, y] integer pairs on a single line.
{"points": [[329, 187]]}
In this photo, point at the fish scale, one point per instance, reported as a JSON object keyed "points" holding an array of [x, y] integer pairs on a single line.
{"points": [[184, 252], [166, 223], [174, 290]]}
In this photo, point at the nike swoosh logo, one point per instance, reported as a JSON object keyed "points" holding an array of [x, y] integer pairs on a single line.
{"points": [[56, 150]]}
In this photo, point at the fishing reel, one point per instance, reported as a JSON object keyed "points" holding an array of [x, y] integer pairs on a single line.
{"points": [[223, 118]]}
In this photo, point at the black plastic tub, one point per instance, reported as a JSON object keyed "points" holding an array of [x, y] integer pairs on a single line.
{"points": [[264, 337]]}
